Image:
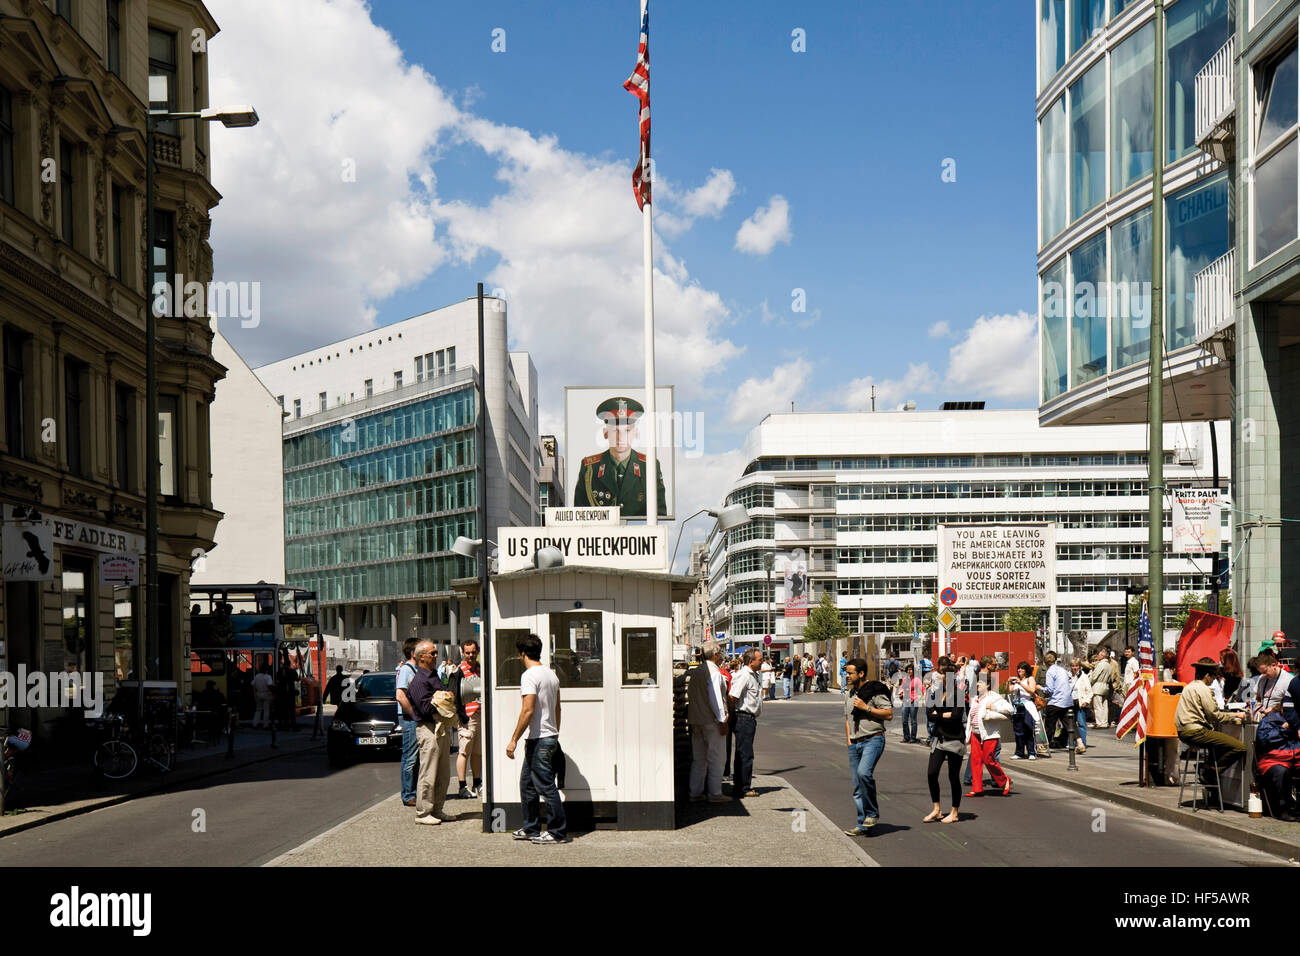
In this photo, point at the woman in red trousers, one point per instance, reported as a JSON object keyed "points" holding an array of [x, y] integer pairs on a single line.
{"points": [[986, 715]]}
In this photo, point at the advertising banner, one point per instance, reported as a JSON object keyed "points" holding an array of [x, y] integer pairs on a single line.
{"points": [[590, 546], [27, 550], [998, 566], [1196, 520], [794, 565], [606, 437]]}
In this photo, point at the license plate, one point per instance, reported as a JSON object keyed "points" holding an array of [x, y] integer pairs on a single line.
{"points": [[371, 741]]}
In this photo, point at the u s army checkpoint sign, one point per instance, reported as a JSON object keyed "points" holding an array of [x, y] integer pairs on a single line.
{"points": [[998, 566]]}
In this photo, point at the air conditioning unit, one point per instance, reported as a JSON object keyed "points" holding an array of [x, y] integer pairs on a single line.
{"points": [[1187, 455]]}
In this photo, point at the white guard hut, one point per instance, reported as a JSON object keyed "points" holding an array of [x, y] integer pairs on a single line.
{"points": [[608, 635]]}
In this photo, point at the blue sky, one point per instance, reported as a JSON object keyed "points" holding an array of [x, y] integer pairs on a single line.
{"points": [[777, 170]]}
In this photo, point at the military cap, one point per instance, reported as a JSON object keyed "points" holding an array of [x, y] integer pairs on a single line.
{"points": [[619, 411]]}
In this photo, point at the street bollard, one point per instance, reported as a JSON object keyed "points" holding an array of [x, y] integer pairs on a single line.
{"points": [[1073, 741], [232, 723]]}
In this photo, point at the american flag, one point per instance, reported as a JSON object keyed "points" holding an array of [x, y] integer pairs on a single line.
{"points": [[1133, 715], [638, 84]]}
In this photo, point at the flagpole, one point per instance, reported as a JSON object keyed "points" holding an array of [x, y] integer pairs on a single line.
{"points": [[652, 430]]}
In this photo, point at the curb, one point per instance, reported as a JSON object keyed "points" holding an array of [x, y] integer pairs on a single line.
{"points": [[1202, 822], [161, 787], [863, 856]]}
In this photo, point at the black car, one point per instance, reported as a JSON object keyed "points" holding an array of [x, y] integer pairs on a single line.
{"points": [[368, 723]]}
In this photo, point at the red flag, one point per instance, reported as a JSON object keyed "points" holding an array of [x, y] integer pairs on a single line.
{"points": [[1204, 635], [638, 84]]}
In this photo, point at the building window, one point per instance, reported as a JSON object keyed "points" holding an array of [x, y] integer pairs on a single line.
{"points": [[451, 359], [1088, 311], [1088, 141], [320, 399], [67, 190], [168, 444], [297, 408], [370, 387], [78, 627], [1261, 7], [1274, 202], [397, 379], [124, 422], [1053, 326], [164, 250], [119, 235], [1196, 222], [6, 146], [1195, 30], [15, 346], [1089, 18], [1053, 176], [1119, 6], [114, 8], [1130, 246], [1051, 39], [162, 62], [419, 368], [74, 386], [1132, 81]]}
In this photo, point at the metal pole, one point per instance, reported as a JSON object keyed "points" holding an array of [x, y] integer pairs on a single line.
{"points": [[1156, 444], [652, 422], [485, 614], [1215, 569], [151, 429]]}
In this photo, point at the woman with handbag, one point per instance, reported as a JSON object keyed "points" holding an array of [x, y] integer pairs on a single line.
{"points": [[986, 714], [949, 716], [1081, 686], [1022, 689]]}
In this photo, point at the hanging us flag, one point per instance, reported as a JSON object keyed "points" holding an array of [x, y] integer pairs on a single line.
{"points": [[638, 84], [1133, 715]]}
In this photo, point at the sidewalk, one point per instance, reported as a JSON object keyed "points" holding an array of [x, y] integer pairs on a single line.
{"points": [[45, 794], [780, 827], [1109, 771]]}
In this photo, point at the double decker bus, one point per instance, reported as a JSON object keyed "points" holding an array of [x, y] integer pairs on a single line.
{"points": [[236, 628]]}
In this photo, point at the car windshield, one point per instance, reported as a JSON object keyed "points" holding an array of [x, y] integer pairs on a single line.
{"points": [[381, 686]]}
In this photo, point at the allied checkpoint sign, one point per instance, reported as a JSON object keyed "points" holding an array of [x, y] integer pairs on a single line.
{"points": [[998, 566], [626, 548]]}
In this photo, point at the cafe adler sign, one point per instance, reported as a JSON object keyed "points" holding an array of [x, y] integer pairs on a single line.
{"points": [[28, 544]]}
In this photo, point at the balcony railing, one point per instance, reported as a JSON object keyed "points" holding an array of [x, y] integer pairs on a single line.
{"points": [[1213, 288], [166, 149], [1216, 104]]}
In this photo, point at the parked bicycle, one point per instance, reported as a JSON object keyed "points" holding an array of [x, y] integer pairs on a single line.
{"points": [[121, 753]]}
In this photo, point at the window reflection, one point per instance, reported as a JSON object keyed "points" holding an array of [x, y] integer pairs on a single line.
{"points": [[1089, 18], [1088, 140], [1275, 201], [1132, 77], [577, 648], [1052, 175], [1051, 39], [1088, 311], [1194, 32], [1053, 325], [1130, 249], [1197, 226]]}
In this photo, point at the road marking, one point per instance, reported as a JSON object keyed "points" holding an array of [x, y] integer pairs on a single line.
{"points": [[283, 858], [863, 856]]}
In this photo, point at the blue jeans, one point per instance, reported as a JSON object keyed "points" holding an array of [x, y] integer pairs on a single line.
{"points": [[863, 755], [909, 721], [1081, 722], [742, 770], [785, 686], [537, 779], [410, 758]]}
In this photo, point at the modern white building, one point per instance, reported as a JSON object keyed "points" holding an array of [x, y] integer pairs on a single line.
{"points": [[863, 494], [247, 478], [381, 466]]}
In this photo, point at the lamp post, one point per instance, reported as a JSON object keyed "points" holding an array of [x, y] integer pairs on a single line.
{"points": [[233, 117], [769, 560], [732, 516]]}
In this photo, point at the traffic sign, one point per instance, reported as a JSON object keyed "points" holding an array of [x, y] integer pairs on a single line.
{"points": [[948, 620], [767, 640], [948, 596]]}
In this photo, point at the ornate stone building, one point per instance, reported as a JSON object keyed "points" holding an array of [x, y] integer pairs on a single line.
{"points": [[74, 284]]}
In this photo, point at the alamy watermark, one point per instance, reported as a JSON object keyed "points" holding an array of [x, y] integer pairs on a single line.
{"points": [[70, 689], [1123, 300], [225, 300]]}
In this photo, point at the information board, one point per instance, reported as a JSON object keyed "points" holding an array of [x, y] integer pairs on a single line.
{"points": [[631, 548], [1196, 517], [998, 566]]}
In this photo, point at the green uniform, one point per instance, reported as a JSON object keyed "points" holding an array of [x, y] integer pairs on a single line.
{"points": [[603, 482]]}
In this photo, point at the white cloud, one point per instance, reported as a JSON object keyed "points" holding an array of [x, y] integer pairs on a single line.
{"points": [[711, 198], [857, 395], [702, 482], [756, 397], [940, 330], [770, 224], [562, 235], [997, 358]]}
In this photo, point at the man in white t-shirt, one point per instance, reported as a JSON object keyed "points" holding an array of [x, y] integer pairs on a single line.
{"points": [[539, 718]]}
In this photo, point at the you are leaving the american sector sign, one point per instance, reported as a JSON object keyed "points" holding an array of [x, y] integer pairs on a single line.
{"points": [[998, 566], [627, 548]]}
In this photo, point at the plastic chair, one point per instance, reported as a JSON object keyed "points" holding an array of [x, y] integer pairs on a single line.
{"points": [[1199, 755]]}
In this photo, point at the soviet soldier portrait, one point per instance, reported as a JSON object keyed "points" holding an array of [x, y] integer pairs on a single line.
{"points": [[616, 476]]}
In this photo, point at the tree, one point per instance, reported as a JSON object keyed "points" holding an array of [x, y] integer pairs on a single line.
{"points": [[1021, 619], [824, 622], [1190, 601], [906, 623], [930, 619]]}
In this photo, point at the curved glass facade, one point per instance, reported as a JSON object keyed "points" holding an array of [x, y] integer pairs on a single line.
{"points": [[1096, 142]]}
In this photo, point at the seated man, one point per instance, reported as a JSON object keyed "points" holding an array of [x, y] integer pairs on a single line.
{"points": [[1277, 753], [1198, 718]]}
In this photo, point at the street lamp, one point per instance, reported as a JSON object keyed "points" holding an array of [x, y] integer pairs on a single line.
{"points": [[730, 517], [232, 117], [769, 561]]}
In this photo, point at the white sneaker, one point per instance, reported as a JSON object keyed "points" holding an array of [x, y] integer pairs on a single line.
{"points": [[1033, 757], [429, 820]]}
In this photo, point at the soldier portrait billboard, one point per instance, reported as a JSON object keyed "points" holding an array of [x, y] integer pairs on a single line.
{"points": [[606, 437]]}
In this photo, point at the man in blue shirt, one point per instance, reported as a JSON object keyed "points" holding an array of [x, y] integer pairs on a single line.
{"points": [[406, 720], [1060, 702]]}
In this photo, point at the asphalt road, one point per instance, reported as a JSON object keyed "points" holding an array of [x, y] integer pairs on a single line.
{"points": [[1041, 823], [249, 815]]}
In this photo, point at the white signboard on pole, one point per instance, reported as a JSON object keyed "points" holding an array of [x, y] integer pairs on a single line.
{"points": [[1196, 520], [630, 548], [998, 566], [572, 516]]}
